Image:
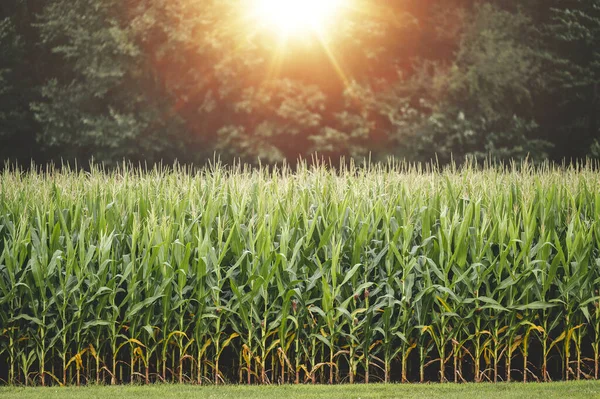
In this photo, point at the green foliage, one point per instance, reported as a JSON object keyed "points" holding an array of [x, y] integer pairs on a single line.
{"points": [[272, 276], [480, 103], [595, 150], [11, 49], [17, 85], [151, 80], [574, 28], [10, 46], [107, 101]]}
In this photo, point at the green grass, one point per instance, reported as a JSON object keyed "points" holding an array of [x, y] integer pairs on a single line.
{"points": [[584, 389]]}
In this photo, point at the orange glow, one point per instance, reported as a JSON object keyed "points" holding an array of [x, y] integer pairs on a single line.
{"points": [[296, 17], [289, 25]]}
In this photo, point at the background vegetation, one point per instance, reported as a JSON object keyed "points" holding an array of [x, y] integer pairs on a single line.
{"points": [[152, 80], [249, 276]]}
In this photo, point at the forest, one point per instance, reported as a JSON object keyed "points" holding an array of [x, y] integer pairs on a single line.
{"points": [[165, 80]]}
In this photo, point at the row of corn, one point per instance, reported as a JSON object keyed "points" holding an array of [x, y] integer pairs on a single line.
{"points": [[261, 276]]}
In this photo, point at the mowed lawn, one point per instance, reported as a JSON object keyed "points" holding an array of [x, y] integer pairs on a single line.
{"points": [[562, 390]]}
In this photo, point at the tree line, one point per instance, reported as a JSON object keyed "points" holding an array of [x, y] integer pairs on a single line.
{"points": [[165, 80]]}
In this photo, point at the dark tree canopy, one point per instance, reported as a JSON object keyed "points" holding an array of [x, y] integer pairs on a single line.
{"points": [[152, 80]]}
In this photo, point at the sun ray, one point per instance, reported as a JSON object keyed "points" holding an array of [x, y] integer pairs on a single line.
{"points": [[290, 20], [276, 59], [334, 62]]}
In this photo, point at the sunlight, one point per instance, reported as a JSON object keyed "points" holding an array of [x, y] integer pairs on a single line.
{"points": [[296, 17]]}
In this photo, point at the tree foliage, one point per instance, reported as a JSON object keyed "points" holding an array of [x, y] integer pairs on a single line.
{"points": [[574, 27], [151, 80], [17, 82]]}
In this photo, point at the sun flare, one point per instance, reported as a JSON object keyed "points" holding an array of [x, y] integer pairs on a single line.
{"points": [[296, 17]]}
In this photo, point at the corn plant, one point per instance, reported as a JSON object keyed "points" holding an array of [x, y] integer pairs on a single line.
{"points": [[382, 272]]}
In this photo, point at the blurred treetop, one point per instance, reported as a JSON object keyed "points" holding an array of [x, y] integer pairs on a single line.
{"points": [[151, 80]]}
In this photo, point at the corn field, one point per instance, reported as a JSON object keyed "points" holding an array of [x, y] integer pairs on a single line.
{"points": [[257, 276]]}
